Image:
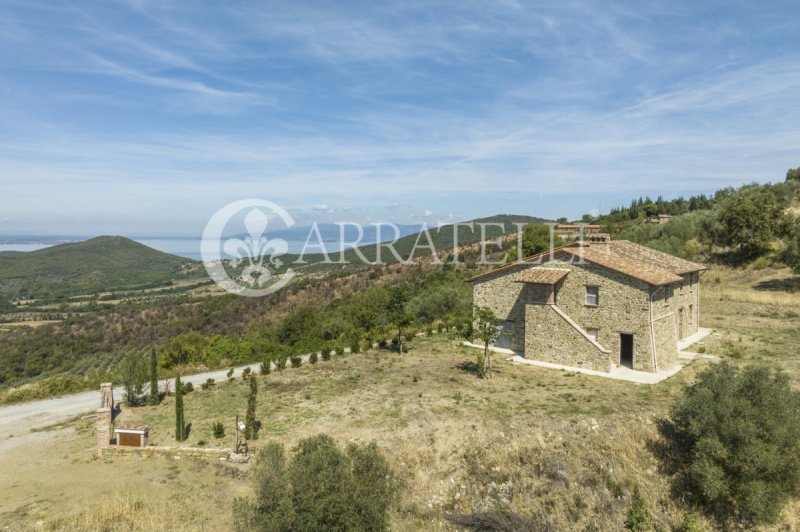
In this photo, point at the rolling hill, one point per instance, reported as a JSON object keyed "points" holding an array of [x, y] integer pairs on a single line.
{"points": [[99, 264]]}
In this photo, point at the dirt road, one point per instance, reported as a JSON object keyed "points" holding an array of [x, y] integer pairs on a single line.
{"points": [[20, 419]]}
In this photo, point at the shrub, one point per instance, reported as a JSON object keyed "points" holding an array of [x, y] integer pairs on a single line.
{"points": [[409, 336], [382, 344], [326, 354], [246, 373], [265, 367], [355, 346], [230, 374], [208, 384], [638, 518], [313, 357], [296, 361], [734, 441], [134, 373], [188, 387], [321, 488], [691, 523], [732, 350], [201, 443], [218, 429], [429, 330], [280, 362], [339, 350]]}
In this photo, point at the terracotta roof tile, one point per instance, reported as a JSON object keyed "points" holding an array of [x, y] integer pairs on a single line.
{"points": [[637, 261], [634, 260]]}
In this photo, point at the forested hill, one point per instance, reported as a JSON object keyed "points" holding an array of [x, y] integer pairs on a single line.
{"points": [[98, 264], [441, 237], [734, 225]]}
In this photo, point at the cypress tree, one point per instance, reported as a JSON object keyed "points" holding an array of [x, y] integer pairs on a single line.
{"points": [[179, 425], [154, 398], [250, 430]]}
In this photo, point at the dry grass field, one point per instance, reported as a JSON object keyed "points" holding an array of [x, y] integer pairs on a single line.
{"points": [[563, 448]]}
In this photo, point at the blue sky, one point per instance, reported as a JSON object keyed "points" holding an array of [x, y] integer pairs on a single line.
{"points": [[144, 118]]}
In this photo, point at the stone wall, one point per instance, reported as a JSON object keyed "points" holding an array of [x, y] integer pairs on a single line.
{"points": [[198, 453], [553, 339]]}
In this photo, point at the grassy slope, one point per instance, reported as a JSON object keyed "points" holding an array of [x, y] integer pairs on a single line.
{"points": [[99, 264], [458, 443]]}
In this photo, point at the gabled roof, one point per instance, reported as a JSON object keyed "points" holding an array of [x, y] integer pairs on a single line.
{"points": [[543, 275], [634, 260]]}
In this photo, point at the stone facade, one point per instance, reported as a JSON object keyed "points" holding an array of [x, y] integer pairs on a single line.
{"points": [[555, 323]]}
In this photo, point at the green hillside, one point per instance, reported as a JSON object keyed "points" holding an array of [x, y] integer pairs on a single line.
{"points": [[442, 239], [99, 264]]}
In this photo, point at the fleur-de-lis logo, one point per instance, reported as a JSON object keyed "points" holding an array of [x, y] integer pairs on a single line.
{"points": [[255, 249], [256, 254]]}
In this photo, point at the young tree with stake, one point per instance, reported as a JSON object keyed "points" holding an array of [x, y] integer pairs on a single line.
{"points": [[398, 297], [486, 330]]}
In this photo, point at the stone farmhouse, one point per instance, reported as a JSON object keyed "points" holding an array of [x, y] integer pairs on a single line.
{"points": [[595, 304]]}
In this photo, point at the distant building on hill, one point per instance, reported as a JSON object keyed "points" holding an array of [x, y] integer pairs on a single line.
{"points": [[598, 304], [573, 231], [661, 219]]}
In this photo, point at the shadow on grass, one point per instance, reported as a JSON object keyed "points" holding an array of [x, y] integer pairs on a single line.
{"points": [[500, 521], [468, 367], [788, 284]]}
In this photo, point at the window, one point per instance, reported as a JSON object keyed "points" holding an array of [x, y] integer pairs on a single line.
{"points": [[593, 295], [592, 333]]}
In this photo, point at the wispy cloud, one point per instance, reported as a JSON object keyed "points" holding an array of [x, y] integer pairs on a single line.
{"points": [[394, 109]]}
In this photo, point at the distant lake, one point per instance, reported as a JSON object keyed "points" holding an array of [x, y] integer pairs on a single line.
{"points": [[190, 247]]}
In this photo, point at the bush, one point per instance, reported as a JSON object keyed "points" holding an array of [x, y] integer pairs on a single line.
{"points": [[355, 346], [208, 384], [265, 367], [638, 518], [313, 357], [383, 343], [230, 374], [730, 349], [187, 387], [691, 523], [326, 354], [218, 429], [339, 350], [280, 362], [296, 361], [321, 488], [246, 373], [734, 442]]}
